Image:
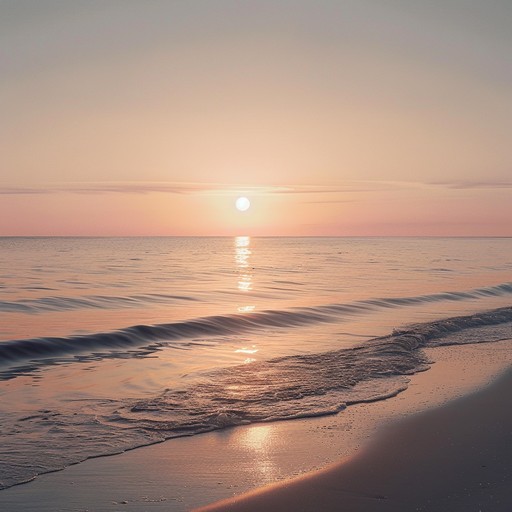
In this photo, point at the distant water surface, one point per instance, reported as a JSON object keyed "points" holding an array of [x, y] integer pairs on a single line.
{"points": [[111, 343]]}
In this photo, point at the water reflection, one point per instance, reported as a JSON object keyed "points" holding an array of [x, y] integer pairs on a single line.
{"points": [[244, 284], [258, 440], [249, 351], [246, 309], [242, 255]]}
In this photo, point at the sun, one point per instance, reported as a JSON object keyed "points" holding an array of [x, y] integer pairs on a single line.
{"points": [[242, 204]]}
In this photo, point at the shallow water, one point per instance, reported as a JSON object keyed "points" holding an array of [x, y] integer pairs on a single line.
{"points": [[107, 344]]}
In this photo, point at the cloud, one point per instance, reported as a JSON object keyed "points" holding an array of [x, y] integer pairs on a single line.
{"points": [[7, 191], [467, 184], [159, 187], [330, 201], [109, 188], [149, 187], [135, 188]]}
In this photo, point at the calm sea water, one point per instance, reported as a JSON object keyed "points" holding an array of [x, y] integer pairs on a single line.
{"points": [[108, 344]]}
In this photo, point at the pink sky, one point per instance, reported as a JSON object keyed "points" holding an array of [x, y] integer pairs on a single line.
{"points": [[334, 118]]}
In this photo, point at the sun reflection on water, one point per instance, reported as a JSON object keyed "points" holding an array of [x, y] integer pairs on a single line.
{"points": [[245, 277], [246, 309], [247, 350], [242, 255], [244, 284]]}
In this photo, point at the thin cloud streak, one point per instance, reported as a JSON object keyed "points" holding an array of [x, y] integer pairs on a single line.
{"points": [[198, 188], [330, 201], [183, 188], [15, 191], [462, 185]]}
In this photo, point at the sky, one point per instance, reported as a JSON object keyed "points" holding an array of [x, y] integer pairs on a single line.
{"points": [[334, 117]]}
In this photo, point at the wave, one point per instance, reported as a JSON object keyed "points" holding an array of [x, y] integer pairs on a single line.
{"points": [[143, 338], [277, 389], [148, 337], [60, 304], [56, 303], [309, 384]]}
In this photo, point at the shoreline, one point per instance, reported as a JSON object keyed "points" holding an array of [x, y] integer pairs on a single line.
{"points": [[184, 473], [456, 457]]}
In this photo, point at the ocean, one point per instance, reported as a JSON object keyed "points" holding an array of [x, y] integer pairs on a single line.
{"points": [[108, 344]]}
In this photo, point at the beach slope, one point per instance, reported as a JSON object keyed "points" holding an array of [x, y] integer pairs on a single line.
{"points": [[457, 457]]}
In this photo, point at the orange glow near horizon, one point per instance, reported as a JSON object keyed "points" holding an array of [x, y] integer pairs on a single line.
{"points": [[404, 211], [153, 120]]}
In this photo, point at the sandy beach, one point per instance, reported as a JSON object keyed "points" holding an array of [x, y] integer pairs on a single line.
{"points": [[422, 455], [457, 457]]}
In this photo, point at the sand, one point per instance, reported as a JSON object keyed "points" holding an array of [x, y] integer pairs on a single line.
{"points": [[457, 457], [190, 472]]}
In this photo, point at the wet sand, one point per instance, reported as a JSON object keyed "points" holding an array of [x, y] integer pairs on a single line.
{"points": [[457, 457]]}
